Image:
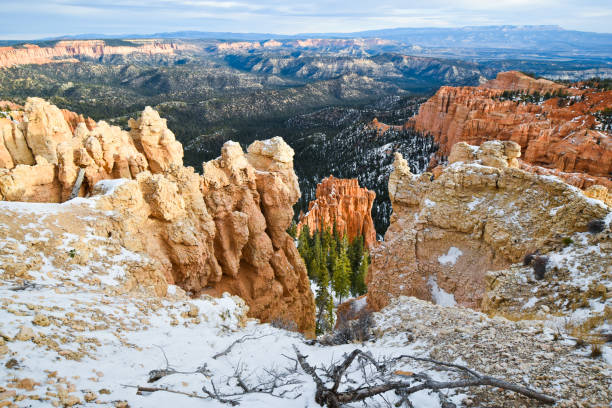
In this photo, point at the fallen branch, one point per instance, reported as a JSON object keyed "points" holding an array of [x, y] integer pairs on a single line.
{"points": [[240, 340], [140, 390], [331, 397], [158, 374]]}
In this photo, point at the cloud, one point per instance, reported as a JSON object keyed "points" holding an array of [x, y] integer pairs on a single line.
{"points": [[38, 18]]}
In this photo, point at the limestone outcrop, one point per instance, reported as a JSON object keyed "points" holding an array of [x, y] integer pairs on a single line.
{"points": [[69, 51], [479, 214], [559, 134], [223, 231], [343, 203]]}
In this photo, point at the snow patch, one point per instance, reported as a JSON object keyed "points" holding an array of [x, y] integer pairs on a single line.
{"points": [[439, 296], [450, 257]]}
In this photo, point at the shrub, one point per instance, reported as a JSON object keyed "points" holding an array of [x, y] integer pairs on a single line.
{"points": [[539, 267], [284, 324], [596, 350], [567, 241], [354, 330], [529, 258], [596, 226]]}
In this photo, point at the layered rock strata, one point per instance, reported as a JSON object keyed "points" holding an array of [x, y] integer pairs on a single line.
{"points": [[341, 202], [479, 214], [69, 51], [223, 231], [557, 134]]}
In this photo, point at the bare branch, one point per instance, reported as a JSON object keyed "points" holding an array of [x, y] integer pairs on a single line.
{"points": [[332, 398], [240, 340]]}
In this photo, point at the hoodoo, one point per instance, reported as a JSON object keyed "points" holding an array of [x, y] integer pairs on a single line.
{"points": [[223, 231], [345, 205]]}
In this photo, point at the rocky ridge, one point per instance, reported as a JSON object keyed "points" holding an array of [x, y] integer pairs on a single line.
{"points": [[222, 231], [70, 51], [479, 214], [558, 134], [341, 202]]}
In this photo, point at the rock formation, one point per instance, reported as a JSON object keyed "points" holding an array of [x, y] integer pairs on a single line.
{"points": [[479, 214], [556, 134], [223, 231], [311, 43], [343, 202], [68, 51]]}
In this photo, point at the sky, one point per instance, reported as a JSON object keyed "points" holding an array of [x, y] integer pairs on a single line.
{"points": [[33, 19]]}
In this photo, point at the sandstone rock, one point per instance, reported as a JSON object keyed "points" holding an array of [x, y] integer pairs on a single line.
{"points": [[517, 81], [65, 51], [558, 138], [447, 233], [41, 320], [25, 334], [599, 193], [45, 128], [343, 203], [156, 141], [224, 231]]}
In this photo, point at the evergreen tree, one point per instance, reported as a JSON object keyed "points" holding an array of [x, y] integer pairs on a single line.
{"points": [[304, 246], [325, 316], [355, 254], [341, 280], [292, 230], [360, 287]]}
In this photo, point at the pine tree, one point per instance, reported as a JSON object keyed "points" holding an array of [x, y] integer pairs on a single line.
{"points": [[360, 287], [322, 300], [304, 246], [355, 254], [341, 280], [292, 230]]}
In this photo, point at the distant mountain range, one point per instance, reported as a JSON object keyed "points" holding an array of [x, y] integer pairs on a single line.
{"points": [[541, 38]]}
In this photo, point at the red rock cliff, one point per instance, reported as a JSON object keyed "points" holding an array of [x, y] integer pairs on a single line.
{"points": [[69, 50], [552, 136], [342, 201]]}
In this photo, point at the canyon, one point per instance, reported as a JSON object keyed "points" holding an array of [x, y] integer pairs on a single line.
{"points": [[70, 51], [559, 133], [343, 205], [223, 231]]}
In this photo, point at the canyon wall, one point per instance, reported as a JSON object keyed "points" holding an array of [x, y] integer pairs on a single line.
{"points": [[560, 135], [223, 231], [68, 51], [479, 214], [343, 203]]}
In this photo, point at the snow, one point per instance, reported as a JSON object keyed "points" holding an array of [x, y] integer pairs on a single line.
{"points": [[108, 187], [429, 203], [474, 203], [530, 303], [439, 296], [450, 258], [135, 339]]}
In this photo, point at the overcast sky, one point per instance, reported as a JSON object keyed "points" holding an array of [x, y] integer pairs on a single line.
{"points": [[29, 19]]}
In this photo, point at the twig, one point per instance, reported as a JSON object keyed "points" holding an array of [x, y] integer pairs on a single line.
{"points": [[240, 340], [141, 389]]}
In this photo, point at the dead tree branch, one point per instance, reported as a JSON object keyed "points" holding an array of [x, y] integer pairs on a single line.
{"points": [[240, 340], [414, 382]]}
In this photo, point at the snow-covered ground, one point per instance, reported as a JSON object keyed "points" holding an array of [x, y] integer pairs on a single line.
{"points": [[68, 345], [70, 335]]}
